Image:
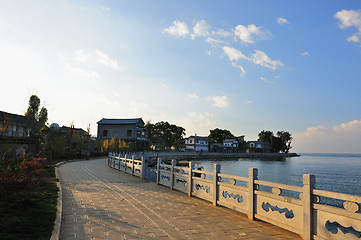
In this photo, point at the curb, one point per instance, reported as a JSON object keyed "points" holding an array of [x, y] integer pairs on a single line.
{"points": [[59, 214]]}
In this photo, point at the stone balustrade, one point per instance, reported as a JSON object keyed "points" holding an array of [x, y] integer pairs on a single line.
{"points": [[127, 165], [309, 212]]}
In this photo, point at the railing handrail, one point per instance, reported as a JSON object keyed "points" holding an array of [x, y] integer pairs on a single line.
{"points": [[299, 211]]}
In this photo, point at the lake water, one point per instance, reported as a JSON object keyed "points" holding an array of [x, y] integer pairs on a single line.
{"points": [[334, 172]]}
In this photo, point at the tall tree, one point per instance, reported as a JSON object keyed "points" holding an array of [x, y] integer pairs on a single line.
{"points": [[36, 120], [286, 140], [35, 117], [279, 143], [220, 134], [170, 133], [265, 136]]}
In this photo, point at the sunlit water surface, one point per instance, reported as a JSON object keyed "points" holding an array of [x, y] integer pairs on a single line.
{"points": [[334, 172]]}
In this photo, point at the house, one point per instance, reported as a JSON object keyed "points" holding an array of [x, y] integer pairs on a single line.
{"points": [[230, 143], [196, 143], [259, 147], [14, 126], [130, 130], [15, 135], [74, 131]]}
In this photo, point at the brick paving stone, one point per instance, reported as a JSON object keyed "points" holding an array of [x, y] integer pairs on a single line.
{"points": [[104, 203]]}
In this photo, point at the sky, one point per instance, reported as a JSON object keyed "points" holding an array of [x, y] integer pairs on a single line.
{"points": [[244, 66]]}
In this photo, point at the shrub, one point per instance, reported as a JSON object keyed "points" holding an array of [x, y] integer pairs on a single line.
{"points": [[19, 176]]}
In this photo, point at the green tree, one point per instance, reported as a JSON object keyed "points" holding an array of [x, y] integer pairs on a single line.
{"points": [[265, 136], [276, 144], [286, 140], [36, 120], [170, 133], [279, 143], [220, 134]]}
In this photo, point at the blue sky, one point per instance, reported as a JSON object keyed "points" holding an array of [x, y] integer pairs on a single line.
{"points": [[245, 66]]}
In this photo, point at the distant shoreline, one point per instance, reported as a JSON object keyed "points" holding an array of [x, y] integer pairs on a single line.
{"points": [[207, 155]]}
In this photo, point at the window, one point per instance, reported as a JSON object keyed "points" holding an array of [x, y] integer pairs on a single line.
{"points": [[105, 133], [129, 133]]}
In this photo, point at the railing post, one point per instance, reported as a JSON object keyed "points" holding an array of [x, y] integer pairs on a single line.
{"points": [[216, 170], [125, 163], [158, 170], [143, 168], [119, 162], [133, 165], [253, 175], [113, 156], [190, 181], [309, 182], [174, 162]]}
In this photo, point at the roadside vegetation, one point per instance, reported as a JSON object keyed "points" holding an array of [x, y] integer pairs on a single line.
{"points": [[28, 198]]}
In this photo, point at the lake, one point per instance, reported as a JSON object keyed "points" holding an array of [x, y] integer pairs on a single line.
{"points": [[334, 172]]}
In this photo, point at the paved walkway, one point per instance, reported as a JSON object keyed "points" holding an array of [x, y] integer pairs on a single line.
{"points": [[103, 203]]}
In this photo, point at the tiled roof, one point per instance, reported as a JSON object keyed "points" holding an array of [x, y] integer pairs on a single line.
{"points": [[197, 137], [13, 118], [120, 121]]}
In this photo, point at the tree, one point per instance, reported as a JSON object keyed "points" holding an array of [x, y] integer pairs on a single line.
{"points": [[286, 140], [279, 143], [265, 136], [36, 120], [170, 133], [220, 134]]}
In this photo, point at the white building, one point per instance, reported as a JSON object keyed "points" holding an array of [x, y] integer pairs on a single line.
{"points": [[197, 144], [230, 143]]}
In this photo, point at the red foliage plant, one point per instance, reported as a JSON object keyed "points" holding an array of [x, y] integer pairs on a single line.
{"points": [[19, 176]]}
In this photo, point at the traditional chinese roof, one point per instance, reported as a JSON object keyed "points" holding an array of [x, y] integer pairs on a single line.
{"points": [[13, 118], [113, 121]]}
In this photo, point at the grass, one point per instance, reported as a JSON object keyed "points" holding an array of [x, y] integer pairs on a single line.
{"points": [[31, 217]]}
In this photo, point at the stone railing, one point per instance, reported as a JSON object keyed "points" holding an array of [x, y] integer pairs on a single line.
{"points": [[303, 210], [127, 165]]}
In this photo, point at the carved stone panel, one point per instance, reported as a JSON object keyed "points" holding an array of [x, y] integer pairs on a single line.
{"points": [[276, 191], [351, 206]]}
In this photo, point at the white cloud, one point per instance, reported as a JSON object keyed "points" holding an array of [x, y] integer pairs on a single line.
{"points": [[81, 72], [247, 34], [81, 56], [220, 101], [343, 138], [247, 102], [200, 29], [178, 28], [243, 72], [350, 18], [214, 41], [353, 38], [96, 56], [107, 61], [262, 59], [305, 54], [282, 21], [138, 108], [221, 33], [198, 123], [193, 96], [265, 80], [105, 8], [259, 58], [234, 54]]}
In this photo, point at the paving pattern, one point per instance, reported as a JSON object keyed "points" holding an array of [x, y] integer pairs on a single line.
{"points": [[103, 203]]}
